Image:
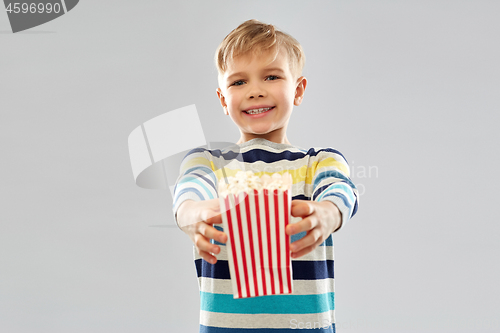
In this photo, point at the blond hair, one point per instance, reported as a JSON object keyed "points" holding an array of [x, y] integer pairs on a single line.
{"points": [[255, 37]]}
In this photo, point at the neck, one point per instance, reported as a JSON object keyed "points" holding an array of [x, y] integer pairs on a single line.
{"points": [[273, 137]]}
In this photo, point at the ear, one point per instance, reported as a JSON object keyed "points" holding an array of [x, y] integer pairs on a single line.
{"points": [[222, 100], [299, 91]]}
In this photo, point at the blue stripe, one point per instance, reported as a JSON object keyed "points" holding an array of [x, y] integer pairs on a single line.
{"points": [[210, 180], [355, 207], [349, 191], [331, 173], [312, 270], [189, 179], [188, 190], [313, 152], [344, 199], [302, 269], [205, 172], [275, 304], [228, 156], [203, 168], [328, 241], [318, 193], [210, 329], [218, 271], [254, 154], [296, 237], [213, 241], [193, 151]]}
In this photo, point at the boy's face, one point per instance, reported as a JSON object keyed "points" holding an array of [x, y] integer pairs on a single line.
{"points": [[252, 83]]}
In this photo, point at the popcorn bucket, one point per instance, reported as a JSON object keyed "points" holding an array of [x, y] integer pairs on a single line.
{"points": [[258, 248]]}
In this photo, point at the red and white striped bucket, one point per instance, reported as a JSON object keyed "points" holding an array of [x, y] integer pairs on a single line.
{"points": [[258, 248]]}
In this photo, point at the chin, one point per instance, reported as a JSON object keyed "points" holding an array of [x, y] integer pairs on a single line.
{"points": [[260, 132]]}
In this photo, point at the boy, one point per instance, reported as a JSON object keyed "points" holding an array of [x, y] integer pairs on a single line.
{"points": [[259, 83]]}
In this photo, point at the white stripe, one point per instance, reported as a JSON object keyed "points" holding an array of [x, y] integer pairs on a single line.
{"points": [[227, 254], [274, 252], [300, 287], [256, 237], [288, 270], [278, 166], [237, 246], [266, 320], [265, 250], [282, 238], [321, 253], [246, 245]]}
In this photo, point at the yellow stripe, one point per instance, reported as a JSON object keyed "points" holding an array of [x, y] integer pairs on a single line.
{"points": [[232, 173], [302, 174], [197, 161], [331, 162]]}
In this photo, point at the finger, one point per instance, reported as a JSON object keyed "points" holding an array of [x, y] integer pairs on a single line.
{"points": [[307, 249], [303, 252], [211, 233], [208, 257], [301, 208], [203, 244], [304, 225], [216, 219], [311, 238]]}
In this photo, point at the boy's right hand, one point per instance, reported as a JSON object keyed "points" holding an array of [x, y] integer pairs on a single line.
{"points": [[196, 218]]}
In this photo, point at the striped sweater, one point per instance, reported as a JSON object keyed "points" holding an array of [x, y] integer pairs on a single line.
{"points": [[318, 174]]}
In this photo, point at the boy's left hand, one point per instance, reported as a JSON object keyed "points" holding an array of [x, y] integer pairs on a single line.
{"points": [[319, 219]]}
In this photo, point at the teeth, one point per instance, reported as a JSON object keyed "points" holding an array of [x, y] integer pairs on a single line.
{"points": [[256, 111]]}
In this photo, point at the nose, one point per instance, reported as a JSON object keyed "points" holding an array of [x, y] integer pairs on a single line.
{"points": [[256, 90]]}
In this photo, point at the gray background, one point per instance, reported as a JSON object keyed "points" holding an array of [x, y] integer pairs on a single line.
{"points": [[408, 88]]}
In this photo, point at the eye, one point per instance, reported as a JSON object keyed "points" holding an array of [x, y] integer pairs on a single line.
{"points": [[272, 77], [237, 83]]}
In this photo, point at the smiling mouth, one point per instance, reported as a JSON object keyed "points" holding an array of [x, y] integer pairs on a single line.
{"points": [[257, 111]]}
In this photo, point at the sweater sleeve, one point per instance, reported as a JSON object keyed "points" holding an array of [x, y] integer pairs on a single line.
{"points": [[331, 182], [196, 181]]}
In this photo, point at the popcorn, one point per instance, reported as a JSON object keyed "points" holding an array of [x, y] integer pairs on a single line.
{"points": [[256, 211], [247, 181]]}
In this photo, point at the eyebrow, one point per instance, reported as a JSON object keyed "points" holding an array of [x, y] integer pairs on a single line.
{"points": [[273, 69]]}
